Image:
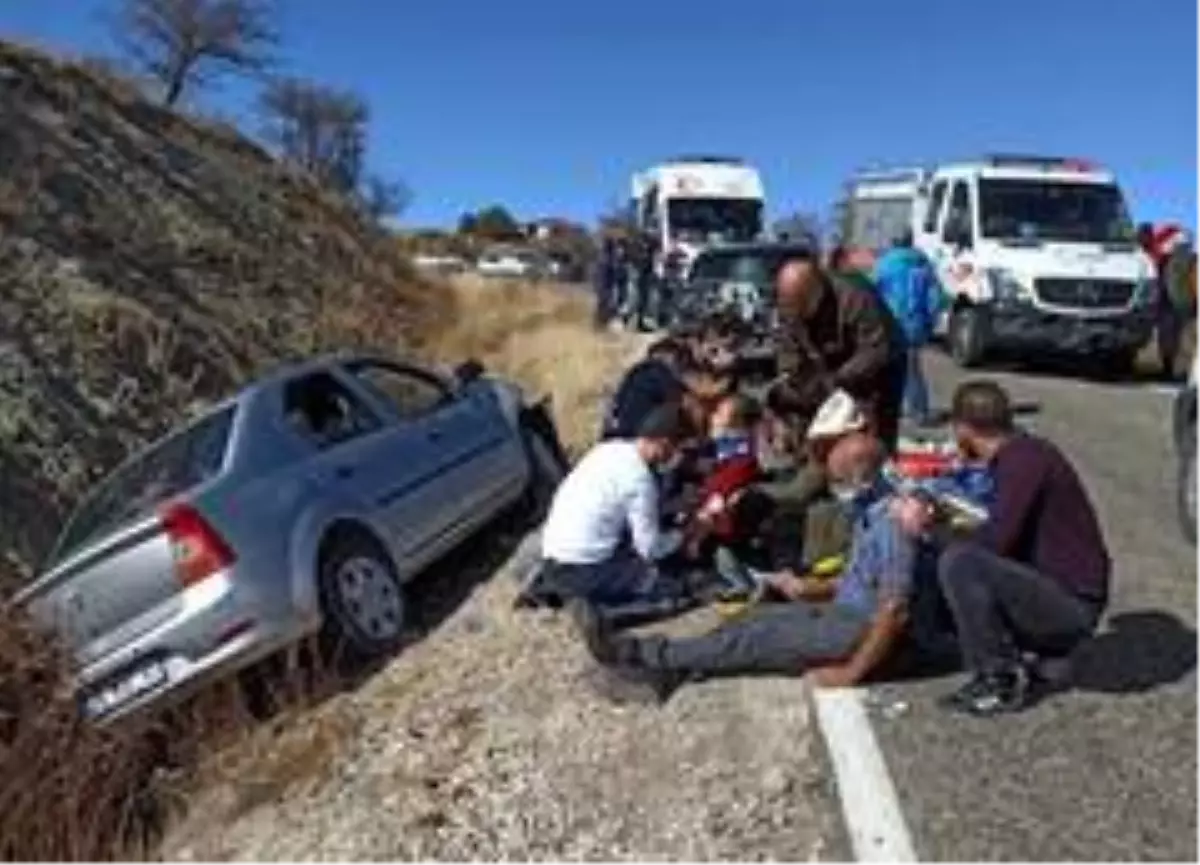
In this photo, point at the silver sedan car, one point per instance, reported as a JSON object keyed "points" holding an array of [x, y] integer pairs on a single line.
{"points": [[304, 504]]}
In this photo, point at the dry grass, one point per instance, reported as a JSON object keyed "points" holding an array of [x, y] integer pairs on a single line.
{"points": [[540, 335]]}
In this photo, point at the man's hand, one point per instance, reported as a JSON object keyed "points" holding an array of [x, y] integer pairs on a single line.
{"points": [[914, 515], [834, 676]]}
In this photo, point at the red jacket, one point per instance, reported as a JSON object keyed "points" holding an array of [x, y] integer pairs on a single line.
{"points": [[729, 477]]}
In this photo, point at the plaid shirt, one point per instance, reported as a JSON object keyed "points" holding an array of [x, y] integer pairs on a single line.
{"points": [[881, 563]]}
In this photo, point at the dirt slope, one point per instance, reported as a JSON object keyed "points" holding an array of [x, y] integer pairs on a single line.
{"points": [[147, 263]]}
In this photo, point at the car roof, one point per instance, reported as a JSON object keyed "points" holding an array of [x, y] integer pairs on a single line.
{"points": [[322, 363]]}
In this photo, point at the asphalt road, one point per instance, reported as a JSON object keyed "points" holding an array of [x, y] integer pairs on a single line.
{"points": [[1108, 770]]}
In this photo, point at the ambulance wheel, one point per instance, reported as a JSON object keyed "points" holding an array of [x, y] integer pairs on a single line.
{"points": [[967, 336]]}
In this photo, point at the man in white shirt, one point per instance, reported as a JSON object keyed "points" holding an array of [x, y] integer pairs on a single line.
{"points": [[603, 536]]}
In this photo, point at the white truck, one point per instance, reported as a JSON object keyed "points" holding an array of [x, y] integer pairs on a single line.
{"points": [[692, 202], [1037, 254]]}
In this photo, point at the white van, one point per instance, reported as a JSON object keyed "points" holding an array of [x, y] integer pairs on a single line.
{"points": [[1037, 254]]}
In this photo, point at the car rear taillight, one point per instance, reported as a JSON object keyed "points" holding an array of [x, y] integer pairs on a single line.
{"points": [[198, 551]]}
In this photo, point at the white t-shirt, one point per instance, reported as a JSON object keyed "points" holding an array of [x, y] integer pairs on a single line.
{"points": [[610, 491]]}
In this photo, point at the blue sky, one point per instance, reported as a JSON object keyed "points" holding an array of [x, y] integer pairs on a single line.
{"points": [[548, 106]]}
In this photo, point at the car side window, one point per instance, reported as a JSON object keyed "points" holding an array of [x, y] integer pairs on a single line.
{"points": [[935, 207], [409, 392], [322, 410]]}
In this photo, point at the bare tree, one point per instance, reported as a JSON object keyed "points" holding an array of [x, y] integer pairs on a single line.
{"points": [[319, 128], [324, 131], [185, 43]]}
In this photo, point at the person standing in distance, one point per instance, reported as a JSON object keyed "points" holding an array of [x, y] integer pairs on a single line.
{"points": [[908, 284]]}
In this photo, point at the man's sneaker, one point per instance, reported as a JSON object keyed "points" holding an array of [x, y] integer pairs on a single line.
{"points": [[990, 694]]}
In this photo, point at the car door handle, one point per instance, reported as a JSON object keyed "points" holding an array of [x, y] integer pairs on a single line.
{"points": [[343, 472], [435, 435]]}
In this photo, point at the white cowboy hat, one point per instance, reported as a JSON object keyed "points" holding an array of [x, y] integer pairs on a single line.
{"points": [[838, 415]]}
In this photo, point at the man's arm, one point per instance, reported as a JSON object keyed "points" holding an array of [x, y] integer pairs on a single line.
{"points": [[649, 540], [872, 347], [897, 559], [1017, 489]]}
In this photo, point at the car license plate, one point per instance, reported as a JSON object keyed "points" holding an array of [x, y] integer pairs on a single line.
{"points": [[141, 681]]}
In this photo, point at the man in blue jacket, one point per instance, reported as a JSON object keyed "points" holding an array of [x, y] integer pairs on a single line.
{"points": [[906, 280]]}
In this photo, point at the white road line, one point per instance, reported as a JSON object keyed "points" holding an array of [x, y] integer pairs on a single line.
{"points": [[870, 807]]}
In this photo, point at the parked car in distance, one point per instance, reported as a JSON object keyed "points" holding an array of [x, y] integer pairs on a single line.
{"points": [[303, 504], [506, 262]]}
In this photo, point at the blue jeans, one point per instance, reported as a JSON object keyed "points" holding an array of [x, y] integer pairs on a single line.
{"points": [[916, 389], [623, 586]]}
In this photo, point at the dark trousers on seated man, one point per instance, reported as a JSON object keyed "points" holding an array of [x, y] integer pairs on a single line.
{"points": [[1003, 608], [624, 586]]}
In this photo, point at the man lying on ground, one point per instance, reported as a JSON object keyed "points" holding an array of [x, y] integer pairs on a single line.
{"points": [[1035, 577], [839, 634], [603, 539]]}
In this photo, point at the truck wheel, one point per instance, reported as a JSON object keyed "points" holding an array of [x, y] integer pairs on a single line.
{"points": [[968, 336], [1119, 365]]}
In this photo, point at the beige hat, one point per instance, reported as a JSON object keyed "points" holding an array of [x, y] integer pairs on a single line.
{"points": [[838, 415]]}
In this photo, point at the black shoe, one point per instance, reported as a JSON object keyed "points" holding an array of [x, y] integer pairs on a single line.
{"points": [[990, 694], [594, 629], [624, 685]]}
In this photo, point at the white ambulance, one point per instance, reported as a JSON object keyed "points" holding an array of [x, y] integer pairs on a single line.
{"points": [[692, 202], [1038, 255]]}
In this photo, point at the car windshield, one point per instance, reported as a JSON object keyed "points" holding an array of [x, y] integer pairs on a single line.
{"points": [[706, 220], [170, 467], [1012, 209]]}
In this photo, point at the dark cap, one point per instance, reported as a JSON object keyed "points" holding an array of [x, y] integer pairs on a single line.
{"points": [[667, 421]]}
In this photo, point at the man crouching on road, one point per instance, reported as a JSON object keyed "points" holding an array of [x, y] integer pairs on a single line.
{"points": [[1032, 582], [838, 634], [610, 499]]}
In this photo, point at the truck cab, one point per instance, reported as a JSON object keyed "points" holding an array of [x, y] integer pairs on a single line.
{"points": [[1036, 254], [691, 202]]}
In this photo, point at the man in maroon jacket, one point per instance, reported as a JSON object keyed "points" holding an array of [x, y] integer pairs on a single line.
{"points": [[1034, 579]]}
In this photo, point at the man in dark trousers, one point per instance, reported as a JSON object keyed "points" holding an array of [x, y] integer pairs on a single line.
{"points": [[605, 280], [1033, 581]]}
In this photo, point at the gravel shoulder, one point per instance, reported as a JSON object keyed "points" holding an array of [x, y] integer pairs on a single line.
{"points": [[483, 741]]}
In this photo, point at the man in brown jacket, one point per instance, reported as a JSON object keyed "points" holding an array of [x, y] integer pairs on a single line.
{"points": [[832, 334]]}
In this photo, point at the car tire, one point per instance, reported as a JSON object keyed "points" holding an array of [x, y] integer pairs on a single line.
{"points": [[547, 470], [1185, 491], [967, 336], [363, 602]]}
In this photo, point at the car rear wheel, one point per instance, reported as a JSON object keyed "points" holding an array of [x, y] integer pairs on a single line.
{"points": [[1186, 492], [362, 599], [967, 336]]}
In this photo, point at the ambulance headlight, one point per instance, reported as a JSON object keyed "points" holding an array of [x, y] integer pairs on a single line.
{"points": [[1005, 286]]}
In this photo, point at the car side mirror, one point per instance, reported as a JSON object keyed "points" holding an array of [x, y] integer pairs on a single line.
{"points": [[468, 371]]}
